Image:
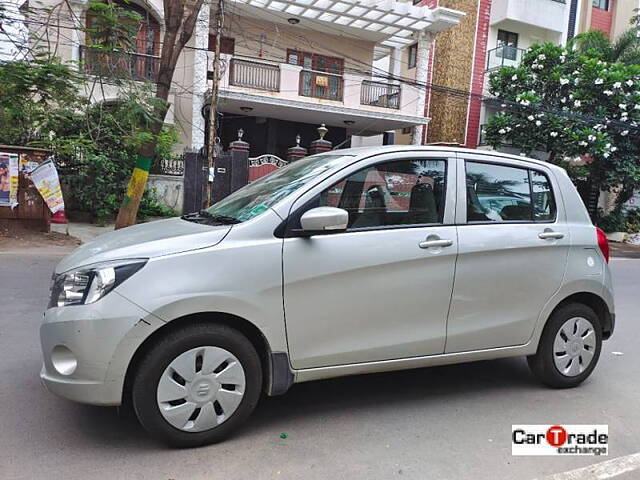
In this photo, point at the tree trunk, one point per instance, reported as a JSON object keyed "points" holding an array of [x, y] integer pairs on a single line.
{"points": [[180, 21]]}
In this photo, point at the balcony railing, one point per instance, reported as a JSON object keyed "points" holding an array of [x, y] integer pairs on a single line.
{"points": [[380, 94], [105, 63], [249, 74], [324, 85], [504, 56]]}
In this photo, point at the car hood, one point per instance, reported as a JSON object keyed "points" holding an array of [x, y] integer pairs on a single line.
{"points": [[153, 239]]}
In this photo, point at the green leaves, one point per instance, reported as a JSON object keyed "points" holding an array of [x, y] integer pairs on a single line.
{"points": [[574, 104]]}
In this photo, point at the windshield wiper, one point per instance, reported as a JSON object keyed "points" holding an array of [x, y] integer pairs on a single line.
{"points": [[224, 219], [205, 216]]}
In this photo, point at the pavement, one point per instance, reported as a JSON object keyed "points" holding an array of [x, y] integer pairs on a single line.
{"points": [[451, 422]]}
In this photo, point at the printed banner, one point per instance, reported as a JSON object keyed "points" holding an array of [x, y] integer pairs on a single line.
{"points": [[45, 178], [8, 179]]}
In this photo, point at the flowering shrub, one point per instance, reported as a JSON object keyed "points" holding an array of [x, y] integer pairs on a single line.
{"points": [[572, 106]]}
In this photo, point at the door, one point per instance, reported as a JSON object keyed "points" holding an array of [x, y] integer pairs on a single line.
{"points": [[380, 290], [513, 247]]}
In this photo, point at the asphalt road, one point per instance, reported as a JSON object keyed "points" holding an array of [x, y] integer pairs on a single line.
{"points": [[449, 422]]}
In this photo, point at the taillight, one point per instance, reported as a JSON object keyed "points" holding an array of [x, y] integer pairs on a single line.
{"points": [[603, 244]]}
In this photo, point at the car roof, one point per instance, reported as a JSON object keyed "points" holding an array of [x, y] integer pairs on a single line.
{"points": [[364, 152]]}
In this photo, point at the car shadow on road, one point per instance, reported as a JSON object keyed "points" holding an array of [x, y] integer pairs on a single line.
{"points": [[419, 387], [117, 428]]}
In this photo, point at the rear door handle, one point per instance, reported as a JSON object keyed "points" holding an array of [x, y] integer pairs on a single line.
{"points": [[435, 243], [550, 235]]}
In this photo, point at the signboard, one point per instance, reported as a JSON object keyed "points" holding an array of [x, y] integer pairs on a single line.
{"points": [[45, 178]]}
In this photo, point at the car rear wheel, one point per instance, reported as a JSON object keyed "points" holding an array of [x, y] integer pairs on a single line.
{"points": [[569, 347], [197, 385]]}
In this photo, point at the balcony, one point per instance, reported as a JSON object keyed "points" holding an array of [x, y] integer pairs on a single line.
{"points": [[261, 88], [380, 94], [504, 56], [255, 75], [111, 64], [543, 15]]}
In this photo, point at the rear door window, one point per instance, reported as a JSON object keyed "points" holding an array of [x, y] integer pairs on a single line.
{"points": [[497, 193], [501, 193]]}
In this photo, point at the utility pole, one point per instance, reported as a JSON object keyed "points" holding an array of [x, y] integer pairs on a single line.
{"points": [[213, 109]]}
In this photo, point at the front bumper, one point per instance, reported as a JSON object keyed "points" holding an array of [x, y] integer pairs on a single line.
{"points": [[99, 340]]}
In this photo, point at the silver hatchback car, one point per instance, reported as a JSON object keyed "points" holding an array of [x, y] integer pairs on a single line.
{"points": [[355, 261]]}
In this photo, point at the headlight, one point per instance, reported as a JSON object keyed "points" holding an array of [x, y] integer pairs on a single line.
{"points": [[89, 284]]}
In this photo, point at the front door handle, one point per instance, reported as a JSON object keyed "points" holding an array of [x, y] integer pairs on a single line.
{"points": [[550, 235], [435, 243]]}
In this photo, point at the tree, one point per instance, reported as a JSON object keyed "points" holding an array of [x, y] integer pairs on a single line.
{"points": [[594, 43], [180, 17], [572, 105]]}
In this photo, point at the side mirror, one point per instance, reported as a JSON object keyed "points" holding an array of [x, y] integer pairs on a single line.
{"points": [[324, 220]]}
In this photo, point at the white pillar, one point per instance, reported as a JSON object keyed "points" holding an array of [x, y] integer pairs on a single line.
{"points": [[395, 62], [77, 8], [422, 77], [200, 84]]}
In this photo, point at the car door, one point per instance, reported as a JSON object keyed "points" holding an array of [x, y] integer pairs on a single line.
{"points": [[381, 289], [513, 247]]}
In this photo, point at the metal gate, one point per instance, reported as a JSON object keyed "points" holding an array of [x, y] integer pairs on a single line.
{"points": [[264, 165]]}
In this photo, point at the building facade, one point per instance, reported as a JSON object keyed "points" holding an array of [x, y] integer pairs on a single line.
{"points": [[286, 66]]}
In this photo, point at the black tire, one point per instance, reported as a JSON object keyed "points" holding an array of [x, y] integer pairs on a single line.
{"points": [[542, 363], [156, 360]]}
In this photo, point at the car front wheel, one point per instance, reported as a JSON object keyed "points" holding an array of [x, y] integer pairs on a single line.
{"points": [[569, 347], [197, 385]]}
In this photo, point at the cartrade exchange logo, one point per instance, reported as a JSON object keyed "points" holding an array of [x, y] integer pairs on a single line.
{"points": [[560, 440]]}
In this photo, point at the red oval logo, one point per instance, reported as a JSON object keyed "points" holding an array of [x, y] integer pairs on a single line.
{"points": [[556, 436]]}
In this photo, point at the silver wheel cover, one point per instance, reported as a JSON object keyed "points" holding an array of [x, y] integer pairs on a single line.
{"points": [[574, 346], [200, 389]]}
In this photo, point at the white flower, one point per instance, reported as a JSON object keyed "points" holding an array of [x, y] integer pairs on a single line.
{"points": [[542, 57], [508, 129], [563, 100], [576, 81], [504, 105], [554, 134], [525, 102], [502, 131], [608, 93], [636, 107], [613, 149], [538, 123], [629, 82], [617, 85], [564, 81], [577, 103], [562, 58], [607, 146], [599, 81], [624, 133], [623, 106], [531, 118], [582, 143], [571, 96], [592, 138], [515, 77], [606, 155]]}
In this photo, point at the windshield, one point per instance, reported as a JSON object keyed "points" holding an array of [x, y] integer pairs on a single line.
{"points": [[253, 199]]}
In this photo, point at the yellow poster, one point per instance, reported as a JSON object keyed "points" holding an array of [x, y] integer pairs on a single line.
{"points": [[45, 178]]}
